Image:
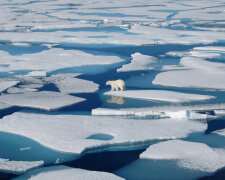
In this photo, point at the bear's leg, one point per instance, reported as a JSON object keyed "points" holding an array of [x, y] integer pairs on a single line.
{"points": [[116, 87]]}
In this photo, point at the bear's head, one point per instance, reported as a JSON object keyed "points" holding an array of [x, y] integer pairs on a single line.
{"points": [[107, 83]]}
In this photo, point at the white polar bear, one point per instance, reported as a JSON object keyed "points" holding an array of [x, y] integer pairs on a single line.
{"points": [[116, 85]]}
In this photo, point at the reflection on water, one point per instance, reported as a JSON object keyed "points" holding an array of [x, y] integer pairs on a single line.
{"points": [[116, 100]]}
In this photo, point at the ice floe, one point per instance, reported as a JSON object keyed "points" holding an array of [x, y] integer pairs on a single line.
{"points": [[71, 133], [67, 83], [46, 100], [139, 62], [160, 95], [18, 167], [199, 73], [65, 172], [54, 59], [219, 112], [180, 114], [177, 159], [189, 155], [5, 84]]}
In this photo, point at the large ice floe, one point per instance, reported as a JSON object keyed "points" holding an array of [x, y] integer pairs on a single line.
{"points": [[65, 172], [46, 100], [67, 83], [195, 73], [183, 159], [139, 62], [85, 134], [54, 59], [160, 95], [18, 167]]}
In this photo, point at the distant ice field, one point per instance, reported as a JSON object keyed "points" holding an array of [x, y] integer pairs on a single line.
{"points": [[55, 107]]}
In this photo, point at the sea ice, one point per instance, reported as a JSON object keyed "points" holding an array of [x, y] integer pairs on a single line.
{"points": [[13, 90], [160, 95], [219, 112], [189, 155], [46, 100], [64, 172], [54, 59], [180, 114], [139, 62], [5, 84], [70, 133], [199, 73], [67, 83], [18, 167], [177, 159]]}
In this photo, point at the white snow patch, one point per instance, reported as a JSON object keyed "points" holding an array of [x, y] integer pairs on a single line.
{"points": [[160, 95], [69, 133], [191, 155], [18, 167], [64, 172], [139, 62], [46, 100]]}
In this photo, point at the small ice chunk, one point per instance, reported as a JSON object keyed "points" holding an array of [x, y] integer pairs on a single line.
{"points": [[191, 155], [25, 148], [18, 167], [46, 100], [64, 172], [37, 73], [139, 62], [219, 112], [160, 95], [110, 112], [66, 83]]}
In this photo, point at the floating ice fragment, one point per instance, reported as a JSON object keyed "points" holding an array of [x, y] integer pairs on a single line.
{"points": [[66, 83], [160, 95], [64, 172], [180, 114], [219, 112], [177, 159], [198, 74], [20, 90], [46, 100], [139, 62], [5, 84], [189, 155], [54, 59], [69, 133], [18, 167]]}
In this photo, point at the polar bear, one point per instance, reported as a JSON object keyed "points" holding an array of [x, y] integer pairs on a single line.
{"points": [[116, 85]]}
